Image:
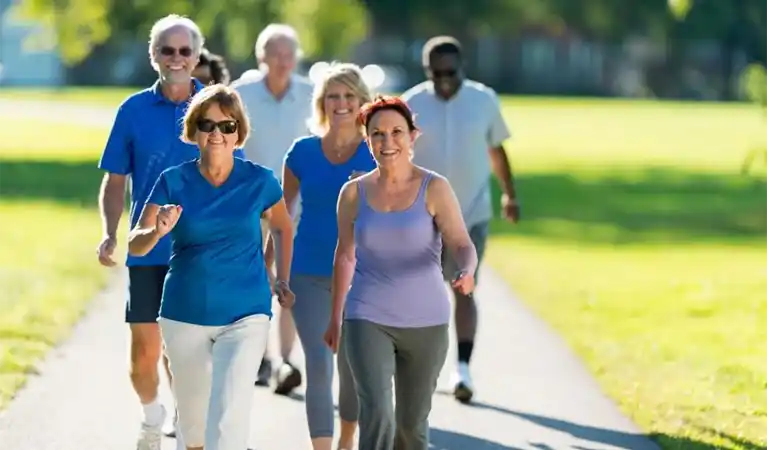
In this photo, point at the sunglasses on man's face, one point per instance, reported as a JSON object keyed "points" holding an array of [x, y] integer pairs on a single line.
{"points": [[166, 50], [451, 73], [224, 126]]}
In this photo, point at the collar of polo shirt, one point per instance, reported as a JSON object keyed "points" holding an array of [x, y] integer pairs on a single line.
{"points": [[157, 90]]}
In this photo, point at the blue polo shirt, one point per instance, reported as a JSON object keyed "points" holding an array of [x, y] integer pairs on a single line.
{"points": [[217, 272], [144, 141], [320, 183]]}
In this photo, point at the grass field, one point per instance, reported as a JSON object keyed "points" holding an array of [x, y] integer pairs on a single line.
{"points": [[640, 242], [103, 97], [48, 267], [644, 246]]}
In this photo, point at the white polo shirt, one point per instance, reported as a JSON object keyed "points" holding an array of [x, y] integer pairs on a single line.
{"points": [[275, 124], [457, 135]]}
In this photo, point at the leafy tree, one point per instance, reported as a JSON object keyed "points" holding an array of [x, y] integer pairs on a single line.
{"points": [[77, 26]]}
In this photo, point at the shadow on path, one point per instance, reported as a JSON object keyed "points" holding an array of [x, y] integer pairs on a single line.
{"points": [[623, 440], [450, 440]]}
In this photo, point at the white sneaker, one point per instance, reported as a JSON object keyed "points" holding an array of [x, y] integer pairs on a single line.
{"points": [[464, 387], [150, 437]]}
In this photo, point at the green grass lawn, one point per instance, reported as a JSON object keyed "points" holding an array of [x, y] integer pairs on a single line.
{"points": [[94, 96], [644, 246], [48, 266]]}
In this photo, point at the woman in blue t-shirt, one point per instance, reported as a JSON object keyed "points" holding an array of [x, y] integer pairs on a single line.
{"points": [[317, 167], [217, 298]]}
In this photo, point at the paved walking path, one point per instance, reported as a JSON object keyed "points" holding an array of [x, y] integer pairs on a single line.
{"points": [[532, 392]]}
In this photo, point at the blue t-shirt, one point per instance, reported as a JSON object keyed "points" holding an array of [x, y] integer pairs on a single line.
{"points": [[320, 184], [144, 141], [217, 272]]}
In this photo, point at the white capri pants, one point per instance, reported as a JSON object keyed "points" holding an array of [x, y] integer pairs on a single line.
{"points": [[213, 379]]}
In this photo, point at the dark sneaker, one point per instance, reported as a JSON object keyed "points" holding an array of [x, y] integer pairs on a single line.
{"points": [[288, 378]]}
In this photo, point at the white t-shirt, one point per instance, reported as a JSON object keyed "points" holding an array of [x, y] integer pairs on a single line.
{"points": [[275, 124], [457, 135]]}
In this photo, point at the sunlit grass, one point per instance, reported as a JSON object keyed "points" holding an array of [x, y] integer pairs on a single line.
{"points": [[647, 249], [83, 95], [50, 229]]}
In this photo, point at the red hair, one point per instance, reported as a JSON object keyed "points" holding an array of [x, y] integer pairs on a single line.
{"points": [[382, 103]]}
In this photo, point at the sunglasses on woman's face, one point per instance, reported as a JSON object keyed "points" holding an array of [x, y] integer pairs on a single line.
{"points": [[166, 50], [224, 126]]}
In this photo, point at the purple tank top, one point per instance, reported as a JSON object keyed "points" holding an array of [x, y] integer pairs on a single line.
{"points": [[398, 278]]}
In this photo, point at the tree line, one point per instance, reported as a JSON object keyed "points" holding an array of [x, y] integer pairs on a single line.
{"points": [[330, 28]]}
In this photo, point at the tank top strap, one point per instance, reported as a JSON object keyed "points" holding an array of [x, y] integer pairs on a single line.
{"points": [[424, 184], [363, 198]]}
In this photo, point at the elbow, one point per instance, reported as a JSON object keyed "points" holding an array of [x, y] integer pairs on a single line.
{"points": [[344, 260]]}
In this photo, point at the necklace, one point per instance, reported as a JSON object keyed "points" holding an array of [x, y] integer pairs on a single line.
{"points": [[339, 152]]}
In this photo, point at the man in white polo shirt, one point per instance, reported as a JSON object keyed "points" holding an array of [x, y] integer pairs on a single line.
{"points": [[279, 105], [463, 134]]}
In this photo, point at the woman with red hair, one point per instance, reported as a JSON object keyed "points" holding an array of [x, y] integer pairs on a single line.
{"points": [[391, 225]]}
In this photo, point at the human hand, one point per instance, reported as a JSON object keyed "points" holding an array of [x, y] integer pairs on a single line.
{"points": [[332, 335], [463, 283], [510, 209], [285, 296], [167, 218], [105, 251]]}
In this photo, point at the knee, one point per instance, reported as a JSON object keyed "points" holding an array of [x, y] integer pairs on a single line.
{"points": [[348, 406], [319, 368], [376, 409]]}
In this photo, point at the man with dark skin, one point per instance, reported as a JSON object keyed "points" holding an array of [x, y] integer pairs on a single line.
{"points": [[463, 134]]}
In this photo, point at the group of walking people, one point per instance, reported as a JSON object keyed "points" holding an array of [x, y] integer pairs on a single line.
{"points": [[332, 201]]}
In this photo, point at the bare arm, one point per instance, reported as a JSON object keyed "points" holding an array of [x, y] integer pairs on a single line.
{"points": [[111, 202], [443, 204], [501, 165], [144, 236], [290, 186], [268, 249], [344, 260], [281, 231]]}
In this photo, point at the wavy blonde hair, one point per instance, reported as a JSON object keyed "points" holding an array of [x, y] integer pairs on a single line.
{"points": [[347, 74]]}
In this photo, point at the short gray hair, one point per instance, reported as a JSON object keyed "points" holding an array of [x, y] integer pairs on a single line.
{"points": [[169, 23], [272, 32]]}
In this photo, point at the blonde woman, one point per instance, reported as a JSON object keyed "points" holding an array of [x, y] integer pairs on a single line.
{"points": [[217, 298], [317, 167]]}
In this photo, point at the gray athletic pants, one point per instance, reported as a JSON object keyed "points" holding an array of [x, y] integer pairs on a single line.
{"points": [[311, 313], [414, 358]]}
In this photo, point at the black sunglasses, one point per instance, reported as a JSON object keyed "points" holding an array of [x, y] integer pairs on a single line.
{"points": [[186, 52], [224, 126], [444, 73]]}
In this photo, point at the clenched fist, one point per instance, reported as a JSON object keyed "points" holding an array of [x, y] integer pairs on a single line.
{"points": [[106, 250], [167, 218]]}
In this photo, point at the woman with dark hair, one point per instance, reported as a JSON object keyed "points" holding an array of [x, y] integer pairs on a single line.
{"points": [[391, 225], [211, 69]]}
